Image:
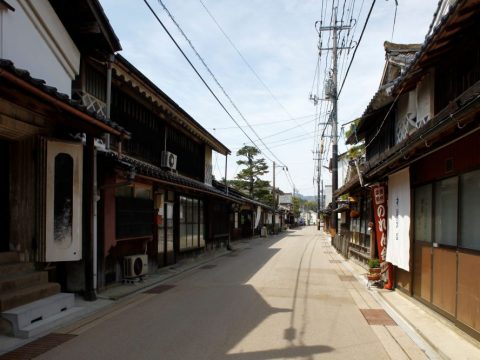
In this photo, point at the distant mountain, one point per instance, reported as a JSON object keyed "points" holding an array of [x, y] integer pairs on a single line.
{"points": [[307, 197]]}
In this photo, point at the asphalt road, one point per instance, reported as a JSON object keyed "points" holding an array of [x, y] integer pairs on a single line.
{"points": [[285, 297]]}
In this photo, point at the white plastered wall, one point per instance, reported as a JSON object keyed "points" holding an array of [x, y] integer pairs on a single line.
{"points": [[425, 98], [208, 165], [34, 38]]}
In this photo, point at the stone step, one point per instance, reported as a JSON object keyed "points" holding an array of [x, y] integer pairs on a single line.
{"points": [[18, 267], [18, 297], [46, 325], [28, 320], [21, 280], [9, 257]]}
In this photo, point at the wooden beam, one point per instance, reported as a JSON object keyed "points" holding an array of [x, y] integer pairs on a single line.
{"points": [[6, 5], [59, 104]]}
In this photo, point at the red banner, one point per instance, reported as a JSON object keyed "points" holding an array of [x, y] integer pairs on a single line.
{"points": [[379, 196]]}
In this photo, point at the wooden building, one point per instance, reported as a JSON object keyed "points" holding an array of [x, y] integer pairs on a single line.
{"points": [[358, 237], [47, 147], [157, 202], [423, 149]]}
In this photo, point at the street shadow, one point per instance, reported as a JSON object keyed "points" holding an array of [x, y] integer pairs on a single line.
{"points": [[209, 313], [289, 352]]}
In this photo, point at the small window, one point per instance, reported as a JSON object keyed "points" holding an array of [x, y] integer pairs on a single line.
{"points": [[423, 213], [470, 210], [446, 210], [63, 198]]}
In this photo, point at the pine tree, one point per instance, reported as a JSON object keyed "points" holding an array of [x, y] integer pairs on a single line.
{"points": [[248, 179]]}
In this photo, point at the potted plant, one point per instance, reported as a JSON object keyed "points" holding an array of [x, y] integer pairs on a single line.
{"points": [[374, 266]]}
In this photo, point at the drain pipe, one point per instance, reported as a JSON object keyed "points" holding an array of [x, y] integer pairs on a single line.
{"points": [[108, 100], [226, 192], [95, 194], [96, 198]]}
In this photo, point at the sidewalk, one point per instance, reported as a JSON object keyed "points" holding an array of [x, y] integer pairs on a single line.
{"points": [[435, 335]]}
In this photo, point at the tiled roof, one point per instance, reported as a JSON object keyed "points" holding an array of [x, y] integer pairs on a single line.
{"points": [[147, 169], [433, 35], [237, 194], [7, 65]]}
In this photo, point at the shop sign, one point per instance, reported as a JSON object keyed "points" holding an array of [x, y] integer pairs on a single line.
{"points": [[379, 196]]}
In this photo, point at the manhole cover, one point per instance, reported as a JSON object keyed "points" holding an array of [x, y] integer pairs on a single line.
{"points": [[377, 317], [37, 347], [159, 289], [206, 267], [347, 277]]}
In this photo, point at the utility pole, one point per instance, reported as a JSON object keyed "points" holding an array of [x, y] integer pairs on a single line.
{"points": [[319, 175], [274, 200], [332, 94]]}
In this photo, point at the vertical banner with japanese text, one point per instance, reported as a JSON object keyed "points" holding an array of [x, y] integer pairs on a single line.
{"points": [[398, 249], [379, 197]]}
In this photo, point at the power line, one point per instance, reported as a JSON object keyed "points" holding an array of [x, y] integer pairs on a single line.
{"points": [[246, 62], [198, 74], [356, 47], [216, 80], [266, 123]]}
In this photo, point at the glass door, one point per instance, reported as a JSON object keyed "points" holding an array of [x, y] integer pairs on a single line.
{"points": [[169, 238], [160, 222], [164, 221]]}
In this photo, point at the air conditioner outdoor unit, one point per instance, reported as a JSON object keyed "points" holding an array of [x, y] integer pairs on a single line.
{"points": [[169, 160], [135, 266]]}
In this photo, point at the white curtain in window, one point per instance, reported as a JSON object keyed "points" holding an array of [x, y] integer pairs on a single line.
{"points": [[259, 214]]}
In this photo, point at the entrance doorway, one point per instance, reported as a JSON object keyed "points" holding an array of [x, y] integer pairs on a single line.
{"points": [[4, 195], [165, 230]]}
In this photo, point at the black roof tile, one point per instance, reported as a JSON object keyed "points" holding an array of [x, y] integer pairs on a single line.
{"points": [[40, 84]]}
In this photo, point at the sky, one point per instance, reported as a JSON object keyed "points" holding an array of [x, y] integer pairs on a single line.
{"points": [[278, 43]]}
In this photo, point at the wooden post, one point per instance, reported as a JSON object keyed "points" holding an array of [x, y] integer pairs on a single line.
{"points": [[88, 220]]}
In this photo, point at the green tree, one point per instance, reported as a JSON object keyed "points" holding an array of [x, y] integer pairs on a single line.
{"points": [[310, 205], [248, 179], [297, 202]]}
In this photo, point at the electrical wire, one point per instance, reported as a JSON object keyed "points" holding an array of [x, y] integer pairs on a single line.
{"points": [[248, 64], [356, 48], [198, 74], [216, 80], [264, 123]]}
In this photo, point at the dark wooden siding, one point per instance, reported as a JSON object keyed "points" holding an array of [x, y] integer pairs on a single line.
{"points": [[382, 141], [95, 82], [190, 155], [452, 160], [459, 70], [147, 142], [22, 196], [148, 136]]}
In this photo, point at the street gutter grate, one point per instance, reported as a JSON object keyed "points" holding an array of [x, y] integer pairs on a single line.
{"points": [[347, 277], [159, 289], [206, 267], [335, 261], [37, 347], [377, 317]]}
